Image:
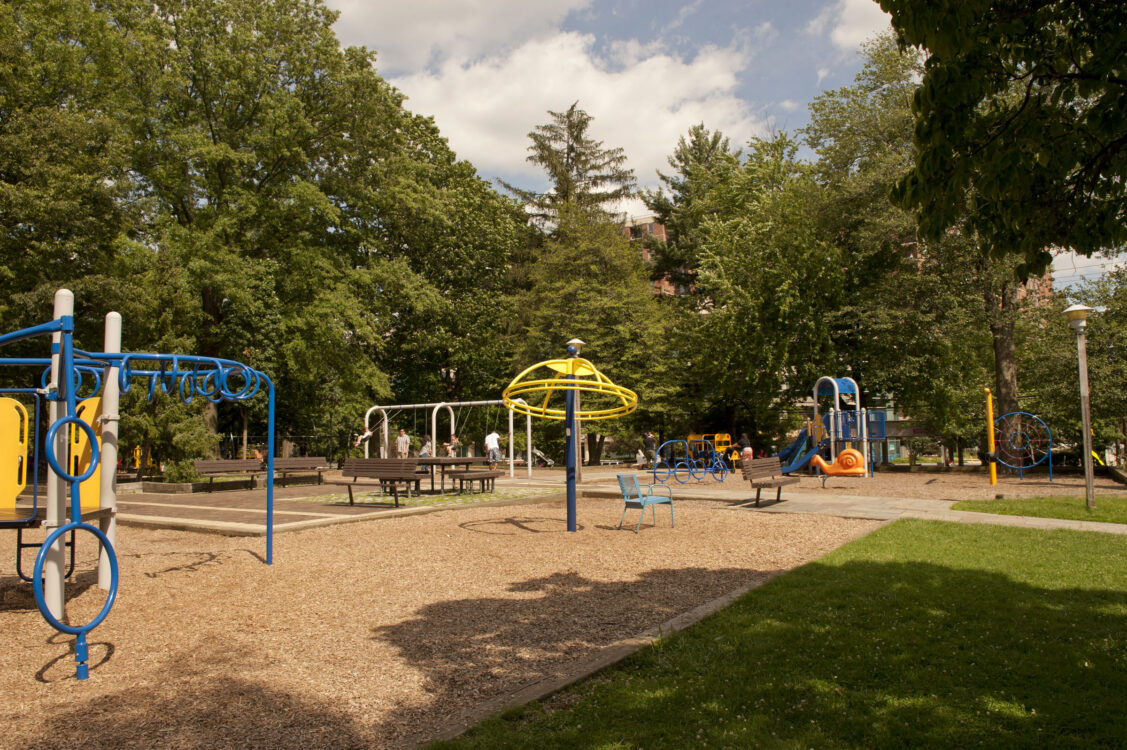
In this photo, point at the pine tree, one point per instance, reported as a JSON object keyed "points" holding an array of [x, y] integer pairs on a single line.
{"points": [[582, 173]]}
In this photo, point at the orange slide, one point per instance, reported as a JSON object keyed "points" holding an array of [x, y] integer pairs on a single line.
{"points": [[849, 463]]}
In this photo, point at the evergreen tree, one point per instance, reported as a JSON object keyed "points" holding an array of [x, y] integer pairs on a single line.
{"points": [[681, 206], [582, 174]]}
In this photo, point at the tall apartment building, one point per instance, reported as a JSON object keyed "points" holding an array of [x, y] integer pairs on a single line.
{"points": [[638, 228]]}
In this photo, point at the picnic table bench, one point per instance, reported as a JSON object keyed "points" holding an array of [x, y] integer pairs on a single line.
{"points": [[388, 473], [483, 478], [302, 465], [223, 467], [766, 472]]}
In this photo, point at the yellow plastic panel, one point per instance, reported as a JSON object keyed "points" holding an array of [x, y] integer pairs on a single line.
{"points": [[13, 451], [89, 411]]}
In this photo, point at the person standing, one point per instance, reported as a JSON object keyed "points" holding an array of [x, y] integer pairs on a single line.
{"points": [[426, 450], [649, 442], [402, 444], [493, 448]]}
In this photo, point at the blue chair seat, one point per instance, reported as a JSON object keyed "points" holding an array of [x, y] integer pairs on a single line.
{"points": [[643, 496]]}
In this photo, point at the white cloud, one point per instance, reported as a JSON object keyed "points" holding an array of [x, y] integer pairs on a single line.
{"points": [[857, 21], [642, 100], [684, 13], [409, 35], [850, 22]]}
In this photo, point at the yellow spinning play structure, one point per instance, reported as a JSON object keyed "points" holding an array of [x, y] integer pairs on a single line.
{"points": [[572, 377], [568, 379]]}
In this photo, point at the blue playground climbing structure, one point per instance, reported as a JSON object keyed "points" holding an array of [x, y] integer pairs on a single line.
{"points": [[80, 447]]}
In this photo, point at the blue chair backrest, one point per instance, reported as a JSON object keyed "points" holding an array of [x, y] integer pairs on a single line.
{"points": [[628, 483]]}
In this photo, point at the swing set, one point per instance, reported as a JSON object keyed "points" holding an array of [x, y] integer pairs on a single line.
{"points": [[385, 418], [80, 448]]}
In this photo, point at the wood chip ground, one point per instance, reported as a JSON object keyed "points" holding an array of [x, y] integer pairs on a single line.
{"points": [[365, 634]]}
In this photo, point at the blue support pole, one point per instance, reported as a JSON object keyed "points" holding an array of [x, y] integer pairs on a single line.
{"points": [[569, 429], [269, 471]]}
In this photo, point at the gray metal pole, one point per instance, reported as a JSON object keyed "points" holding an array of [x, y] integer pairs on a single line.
{"points": [[54, 585], [1086, 418], [110, 412]]}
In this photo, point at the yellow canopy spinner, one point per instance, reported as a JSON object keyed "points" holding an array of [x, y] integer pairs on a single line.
{"points": [[587, 380]]}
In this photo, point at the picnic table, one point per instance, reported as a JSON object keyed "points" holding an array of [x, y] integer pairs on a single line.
{"points": [[443, 461]]}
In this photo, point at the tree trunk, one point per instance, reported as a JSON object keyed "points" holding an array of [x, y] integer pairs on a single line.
{"points": [[1001, 310], [1005, 366], [595, 448]]}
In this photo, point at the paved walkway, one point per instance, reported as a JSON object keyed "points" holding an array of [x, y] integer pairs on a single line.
{"points": [[872, 507], [243, 512]]}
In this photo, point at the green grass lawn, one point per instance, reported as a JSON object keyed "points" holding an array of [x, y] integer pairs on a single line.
{"points": [[1109, 509], [922, 634]]}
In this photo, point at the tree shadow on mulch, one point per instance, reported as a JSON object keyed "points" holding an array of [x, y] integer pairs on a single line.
{"points": [[192, 711], [487, 647]]}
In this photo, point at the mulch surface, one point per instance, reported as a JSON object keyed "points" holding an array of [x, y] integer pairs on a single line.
{"points": [[371, 633]]}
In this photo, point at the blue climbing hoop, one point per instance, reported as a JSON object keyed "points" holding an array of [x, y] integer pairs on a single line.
{"points": [[81, 652], [53, 430]]}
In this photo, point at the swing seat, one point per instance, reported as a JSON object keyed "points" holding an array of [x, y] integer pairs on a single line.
{"points": [[634, 496]]}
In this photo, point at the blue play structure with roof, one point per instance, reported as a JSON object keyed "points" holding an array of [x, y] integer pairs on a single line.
{"points": [[827, 434]]}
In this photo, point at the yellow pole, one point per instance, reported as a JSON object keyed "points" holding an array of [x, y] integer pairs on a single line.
{"points": [[990, 437]]}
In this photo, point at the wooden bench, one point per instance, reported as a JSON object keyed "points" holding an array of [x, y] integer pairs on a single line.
{"points": [[766, 472], [389, 473], [304, 465], [222, 467], [483, 478]]}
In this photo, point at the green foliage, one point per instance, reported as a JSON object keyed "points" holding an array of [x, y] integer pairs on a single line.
{"points": [[1021, 108], [169, 431], [1048, 360], [237, 185], [583, 174], [698, 164], [765, 280], [64, 178], [590, 283]]}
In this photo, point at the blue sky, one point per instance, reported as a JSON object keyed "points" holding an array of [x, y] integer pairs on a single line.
{"points": [[488, 71], [646, 70]]}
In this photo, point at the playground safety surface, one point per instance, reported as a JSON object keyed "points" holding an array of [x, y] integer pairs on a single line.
{"points": [[391, 633]]}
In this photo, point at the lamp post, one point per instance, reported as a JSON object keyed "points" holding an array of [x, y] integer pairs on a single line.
{"points": [[578, 344], [1078, 317]]}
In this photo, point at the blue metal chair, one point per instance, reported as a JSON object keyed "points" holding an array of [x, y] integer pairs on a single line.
{"points": [[634, 497]]}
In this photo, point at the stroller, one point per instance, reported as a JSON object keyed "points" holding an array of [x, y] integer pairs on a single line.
{"points": [[541, 459]]}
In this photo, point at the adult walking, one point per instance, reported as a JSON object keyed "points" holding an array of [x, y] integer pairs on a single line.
{"points": [[402, 444]]}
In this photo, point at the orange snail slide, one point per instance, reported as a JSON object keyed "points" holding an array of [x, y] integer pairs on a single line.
{"points": [[849, 463]]}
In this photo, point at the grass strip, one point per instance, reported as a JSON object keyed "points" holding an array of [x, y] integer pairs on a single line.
{"points": [[922, 634], [1108, 509], [425, 500]]}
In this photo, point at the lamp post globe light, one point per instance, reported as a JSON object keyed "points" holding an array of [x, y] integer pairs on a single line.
{"points": [[1078, 318]]}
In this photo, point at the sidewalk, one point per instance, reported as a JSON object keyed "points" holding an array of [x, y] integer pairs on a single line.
{"points": [[851, 506]]}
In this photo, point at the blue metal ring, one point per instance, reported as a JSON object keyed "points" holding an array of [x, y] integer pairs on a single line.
{"points": [[50, 445], [37, 578]]}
